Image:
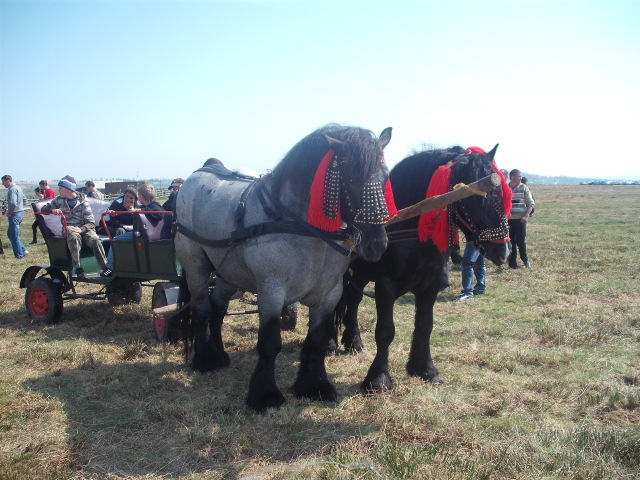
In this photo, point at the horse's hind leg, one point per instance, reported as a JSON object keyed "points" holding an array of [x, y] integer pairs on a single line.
{"points": [[263, 390], [312, 380], [351, 336], [219, 300], [378, 378], [420, 363], [208, 352]]}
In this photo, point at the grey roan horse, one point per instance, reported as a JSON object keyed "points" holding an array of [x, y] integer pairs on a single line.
{"points": [[276, 238]]}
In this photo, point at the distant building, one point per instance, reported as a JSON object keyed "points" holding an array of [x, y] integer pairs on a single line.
{"points": [[118, 188]]}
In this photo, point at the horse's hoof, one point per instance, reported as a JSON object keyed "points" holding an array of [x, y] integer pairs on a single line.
{"points": [[332, 348], [380, 384], [218, 362], [322, 391], [428, 376], [353, 350], [260, 403], [353, 346]]}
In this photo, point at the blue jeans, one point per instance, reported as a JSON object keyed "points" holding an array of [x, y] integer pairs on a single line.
{"points": [[125, 237], [14, 234], [472, 254]]}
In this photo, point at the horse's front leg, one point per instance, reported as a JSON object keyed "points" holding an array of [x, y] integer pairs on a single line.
{"points": [[312, 380], [420, 363], [263, 390], [378, 378]]}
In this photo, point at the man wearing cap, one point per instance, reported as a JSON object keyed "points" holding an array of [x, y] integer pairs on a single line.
{"points": [[174, 188], [80, 222]]}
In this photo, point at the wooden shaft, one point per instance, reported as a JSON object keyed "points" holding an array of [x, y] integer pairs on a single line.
{"points": [[484, 185]]}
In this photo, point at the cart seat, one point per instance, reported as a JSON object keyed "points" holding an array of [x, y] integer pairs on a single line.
{"points": [[150, 252], [158, 233]]}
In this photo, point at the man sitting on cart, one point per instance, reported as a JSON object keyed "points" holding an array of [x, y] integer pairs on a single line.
{"points": [[80, 224], [147, 197]]}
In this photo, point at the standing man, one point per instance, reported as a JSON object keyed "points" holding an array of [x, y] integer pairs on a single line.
{"points": [[93, 192], [472, 266], [16, 201], [521, 207], [34, 226], [473, 261], [174, 188], [81, 225]]}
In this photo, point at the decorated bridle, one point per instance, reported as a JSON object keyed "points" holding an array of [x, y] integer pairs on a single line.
{"points": [[440, 225], [327, 190]]}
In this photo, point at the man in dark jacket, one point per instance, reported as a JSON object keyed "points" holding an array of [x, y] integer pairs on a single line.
{"points": [[170, 204]]}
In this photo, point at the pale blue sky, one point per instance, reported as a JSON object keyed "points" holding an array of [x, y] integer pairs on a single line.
{"points": [[112, 89]]}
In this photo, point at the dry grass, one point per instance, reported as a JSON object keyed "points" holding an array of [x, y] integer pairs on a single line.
{"points": [[541, 378]]}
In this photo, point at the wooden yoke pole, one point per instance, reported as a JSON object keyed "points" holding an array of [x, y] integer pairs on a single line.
{"points": [[483, 185]]}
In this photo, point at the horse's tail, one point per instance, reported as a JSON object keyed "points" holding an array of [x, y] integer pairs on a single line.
{"points": [[188, 327]]}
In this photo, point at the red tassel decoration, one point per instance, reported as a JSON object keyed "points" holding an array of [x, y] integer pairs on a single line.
{"points": [[434, 225], [388, 196], [507, 193], [316, 215]]}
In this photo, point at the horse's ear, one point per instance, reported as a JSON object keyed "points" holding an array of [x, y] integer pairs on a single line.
{"points": [[385, 137], [334, 144], [492, 154]]}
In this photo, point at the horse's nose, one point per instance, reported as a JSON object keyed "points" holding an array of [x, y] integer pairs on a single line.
{"points": [[373, 250]]}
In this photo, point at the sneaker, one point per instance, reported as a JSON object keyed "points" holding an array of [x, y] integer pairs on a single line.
{"points": [[463, 297], [26, 252], [107, 272], [527, 264], [80, 273]]}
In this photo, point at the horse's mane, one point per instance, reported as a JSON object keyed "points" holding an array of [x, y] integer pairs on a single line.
{"points": [[297, 169], [410, 177]]}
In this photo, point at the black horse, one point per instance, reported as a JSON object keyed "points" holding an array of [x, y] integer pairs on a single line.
{"points": [[418, 252]]}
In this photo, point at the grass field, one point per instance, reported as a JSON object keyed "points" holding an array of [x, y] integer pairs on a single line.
{"points": [[542, 378]]}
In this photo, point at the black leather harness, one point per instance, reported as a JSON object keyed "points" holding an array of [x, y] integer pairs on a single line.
{"points": [[275, 210]]}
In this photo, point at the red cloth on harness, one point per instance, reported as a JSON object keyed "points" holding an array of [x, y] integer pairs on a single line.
{"points": [[435, 225], [316, 215], [324, 206]]}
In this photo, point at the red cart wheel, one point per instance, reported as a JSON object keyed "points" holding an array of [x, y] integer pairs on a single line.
{"points": [[166, 327], [43, 301]]}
